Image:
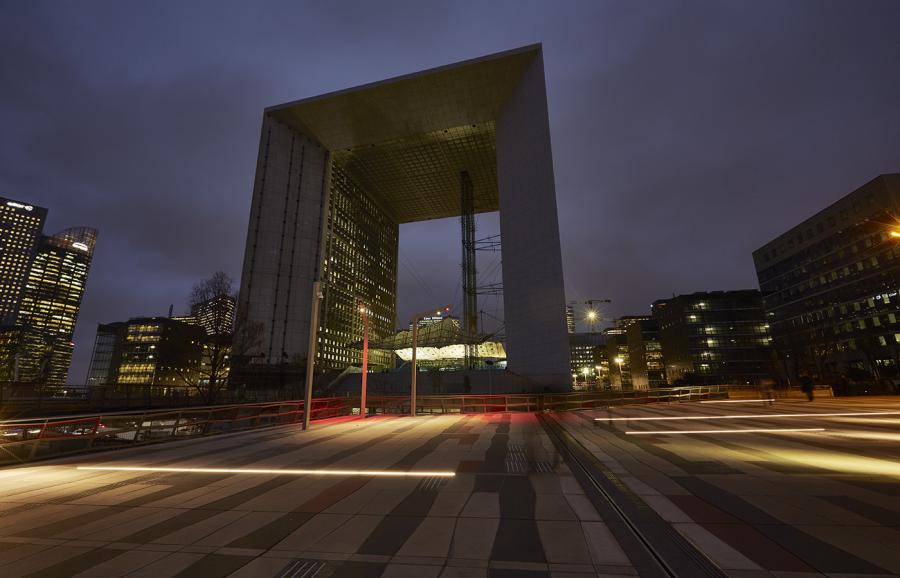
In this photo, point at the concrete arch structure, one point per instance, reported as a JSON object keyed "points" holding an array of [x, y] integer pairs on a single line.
{"points": [[338, 173]]}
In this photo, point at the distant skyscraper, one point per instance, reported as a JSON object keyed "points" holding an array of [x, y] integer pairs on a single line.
{"points": [[42, 282], [570, 318], [215, 316], [107, 355], [52, 295], [20, 232]]}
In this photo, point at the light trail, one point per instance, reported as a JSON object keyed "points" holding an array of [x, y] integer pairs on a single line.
{"points": [[723, 431], [284, 472], [747, 416], [736, 400]]}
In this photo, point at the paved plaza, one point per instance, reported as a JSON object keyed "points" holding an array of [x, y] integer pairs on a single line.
{"points": [[484, 495], [511, 507], [779, 503]]}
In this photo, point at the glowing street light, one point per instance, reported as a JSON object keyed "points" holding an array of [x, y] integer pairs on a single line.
{"points": [[895, 233]]}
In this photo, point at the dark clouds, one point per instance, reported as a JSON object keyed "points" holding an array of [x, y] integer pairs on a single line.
{"points": [[685, 134]]}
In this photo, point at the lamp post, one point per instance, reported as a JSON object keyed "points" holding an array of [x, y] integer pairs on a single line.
{"points": [[619, 361], [365, 359], [311, 352]]}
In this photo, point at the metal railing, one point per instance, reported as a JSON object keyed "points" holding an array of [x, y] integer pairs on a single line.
{"points": [[25, 440], [31, 439]]}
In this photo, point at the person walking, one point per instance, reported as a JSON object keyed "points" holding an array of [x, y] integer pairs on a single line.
{"points": [[806, 386]]}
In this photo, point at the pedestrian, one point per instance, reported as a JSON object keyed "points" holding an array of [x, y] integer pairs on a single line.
{"points": [[806, 386]]}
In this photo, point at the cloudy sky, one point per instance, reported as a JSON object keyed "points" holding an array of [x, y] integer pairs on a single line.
{"points": [[685, 134]]}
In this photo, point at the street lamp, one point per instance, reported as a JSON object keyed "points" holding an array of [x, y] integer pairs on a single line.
{"points": [[619, 361], [311, 352], [592, 316], [365, 359]]}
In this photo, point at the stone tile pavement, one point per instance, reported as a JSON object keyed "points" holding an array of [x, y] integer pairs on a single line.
{"points": [[512, 509], [791, 504]]}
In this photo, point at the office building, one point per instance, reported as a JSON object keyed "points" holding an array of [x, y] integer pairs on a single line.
{"points": [[48, 305], [215, 316], [583, 353], [163, 352], [647, 365], [338, 174], [570, 318], [617, 368], [109, 345], [20, 232], [830, 288], [718, 337]]}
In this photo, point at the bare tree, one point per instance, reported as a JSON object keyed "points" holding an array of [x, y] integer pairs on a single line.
{"points": [[208, 297]]}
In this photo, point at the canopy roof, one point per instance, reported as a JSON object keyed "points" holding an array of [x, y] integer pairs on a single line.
{"points": [[405, 140]]}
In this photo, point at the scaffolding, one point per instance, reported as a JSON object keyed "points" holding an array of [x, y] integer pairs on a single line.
{"points": [[469, 273]]}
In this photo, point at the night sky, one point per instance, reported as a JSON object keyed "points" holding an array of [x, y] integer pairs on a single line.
{"points": [[685, 134]]}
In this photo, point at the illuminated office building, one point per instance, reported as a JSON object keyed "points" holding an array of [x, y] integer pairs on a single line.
{"points": [[583, 353], [20, 232], [161, 351], [338, 173], [830, 288], [48, 306], [215, 316]]}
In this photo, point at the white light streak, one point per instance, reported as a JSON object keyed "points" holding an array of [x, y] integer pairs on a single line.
{"points": [[280, 472], [722, 431], [747, 416], [736, 400]]}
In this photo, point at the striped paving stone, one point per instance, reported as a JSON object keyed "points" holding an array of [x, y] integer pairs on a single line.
{"points": [[513, 507]]}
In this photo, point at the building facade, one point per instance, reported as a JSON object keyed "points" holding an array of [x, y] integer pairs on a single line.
{"points": [[161, 351], [830, 288], [338, 173], [215, 316], [109, 345], [645, 355], [618, 366], [718, 337], [583, 354], [20, 232], [38, 340]]}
